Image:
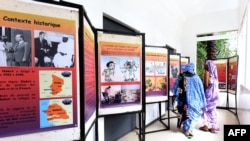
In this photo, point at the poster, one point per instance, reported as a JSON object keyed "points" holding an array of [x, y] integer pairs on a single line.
{"points": [[90, 74], [184, 61], [120, 68], [232, 74], [156, 73], [221, 65], [38, 75], [174, 69]]}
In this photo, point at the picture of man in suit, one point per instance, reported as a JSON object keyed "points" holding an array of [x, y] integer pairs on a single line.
{"points": [[22, 51], [41, 49]]}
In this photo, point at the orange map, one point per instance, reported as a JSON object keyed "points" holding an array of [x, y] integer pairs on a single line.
{"points": [[56, 111], [56, 86]]}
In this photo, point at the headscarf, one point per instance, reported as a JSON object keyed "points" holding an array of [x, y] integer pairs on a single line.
{"points": [[212, 69], [183, 67], [212, 92], [190, 68]]}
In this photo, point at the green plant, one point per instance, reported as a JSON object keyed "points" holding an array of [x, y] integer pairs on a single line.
{"points": [[222, 51]]}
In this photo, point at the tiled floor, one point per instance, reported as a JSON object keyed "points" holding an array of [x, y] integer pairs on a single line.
{"points": [[224, 117]]}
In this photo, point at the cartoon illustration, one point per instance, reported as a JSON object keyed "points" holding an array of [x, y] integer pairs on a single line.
{"points": [[149, 67], [109, 71], [128, 69], [160, 67]]}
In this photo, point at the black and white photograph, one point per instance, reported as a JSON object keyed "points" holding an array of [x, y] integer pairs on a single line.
{"points": [[53, 49], [15, 47]]}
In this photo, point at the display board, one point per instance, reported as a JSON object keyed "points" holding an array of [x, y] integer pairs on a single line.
{"points": [[221, 65], [174, 69], [232, 74], [185, 60], [90, 79], [156, 72], [227, 69], [119, 73], [38, 75]]}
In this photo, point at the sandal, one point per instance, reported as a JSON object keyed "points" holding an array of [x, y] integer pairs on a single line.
{"points": [[204, 128], [189, 133], [212, 130]]}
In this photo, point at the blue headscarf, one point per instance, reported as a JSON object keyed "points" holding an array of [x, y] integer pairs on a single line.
{"points": [[190, 68], [185, 68]]}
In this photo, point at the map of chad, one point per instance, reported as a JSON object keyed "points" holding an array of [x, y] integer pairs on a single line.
{"points": [[56, 86], [56, 111]]}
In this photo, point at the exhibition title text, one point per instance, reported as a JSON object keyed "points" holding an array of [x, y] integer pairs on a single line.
{"points": [[27, 21]]}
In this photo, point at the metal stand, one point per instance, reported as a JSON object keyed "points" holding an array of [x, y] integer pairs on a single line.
{"points": [[230, 109], [141, 126], [161, 119]]}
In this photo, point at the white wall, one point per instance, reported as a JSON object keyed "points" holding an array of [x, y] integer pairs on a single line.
{"points": [[244, 67], [94, 10], [162, 24]]}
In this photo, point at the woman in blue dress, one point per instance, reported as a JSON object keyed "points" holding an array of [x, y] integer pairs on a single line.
{"points": [[189, 92]]}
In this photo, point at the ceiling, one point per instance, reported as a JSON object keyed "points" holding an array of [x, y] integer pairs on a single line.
{"points": [[198, 7]]}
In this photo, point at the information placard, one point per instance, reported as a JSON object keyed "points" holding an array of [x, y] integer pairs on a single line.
{"points": [[156, 72], [232, 74], [38, 86], [89, 75], [120, 67], [174, 69], [221, 65]]}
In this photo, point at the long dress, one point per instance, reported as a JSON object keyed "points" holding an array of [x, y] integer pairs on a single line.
{"points": [[182, 104], [194, 101], [209, 115]]}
